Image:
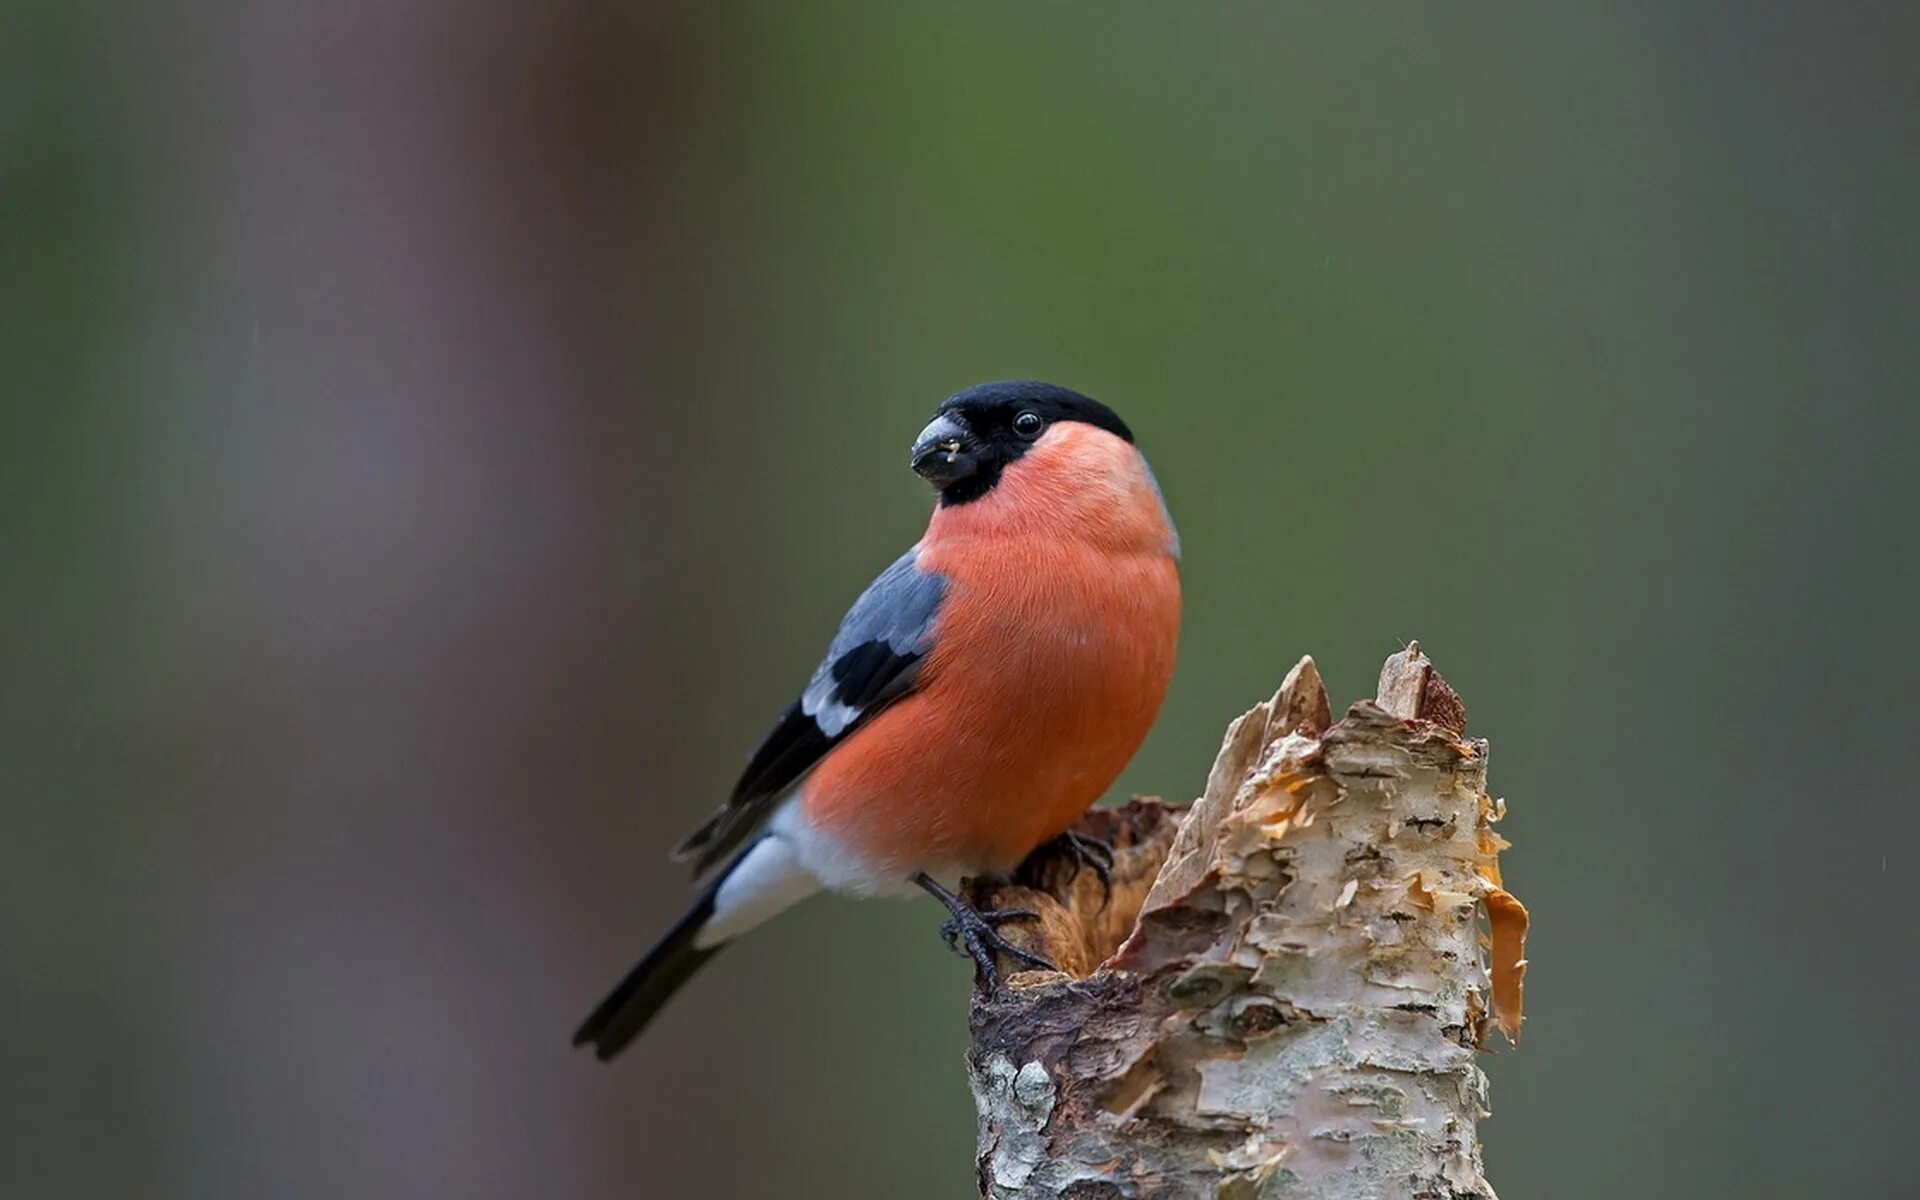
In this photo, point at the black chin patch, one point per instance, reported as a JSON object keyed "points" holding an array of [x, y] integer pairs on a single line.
{"points": [[989, 412], [973, 487]]}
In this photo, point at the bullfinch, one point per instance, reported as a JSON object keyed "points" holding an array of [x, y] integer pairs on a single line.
{"points": [[978, 698]]}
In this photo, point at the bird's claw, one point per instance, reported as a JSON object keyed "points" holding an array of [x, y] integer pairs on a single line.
{"points": [[1084, 853], [950, 931], [974, 934]]}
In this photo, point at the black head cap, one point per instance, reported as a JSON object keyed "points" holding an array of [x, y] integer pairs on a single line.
{"points": [[1054, 403], [975, 434]]}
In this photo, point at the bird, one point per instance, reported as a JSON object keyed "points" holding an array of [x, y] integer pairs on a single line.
{"points": [[977, 699]]}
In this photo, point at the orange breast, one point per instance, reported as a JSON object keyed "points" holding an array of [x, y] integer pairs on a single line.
{"points": [[1052, 654]]}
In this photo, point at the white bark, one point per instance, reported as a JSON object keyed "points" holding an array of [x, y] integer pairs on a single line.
{"points": [[1298, 1009]]}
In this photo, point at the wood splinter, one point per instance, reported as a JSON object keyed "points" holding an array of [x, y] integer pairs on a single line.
{"points": [[1283, 991]]}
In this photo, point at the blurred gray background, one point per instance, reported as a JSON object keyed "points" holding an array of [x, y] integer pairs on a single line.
{"points": [[439, 436]]}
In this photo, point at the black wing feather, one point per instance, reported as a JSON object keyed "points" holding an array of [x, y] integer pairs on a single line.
{"points": [[873, 661], [794, 745]]}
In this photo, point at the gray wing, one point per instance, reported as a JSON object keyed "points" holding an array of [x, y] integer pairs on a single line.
{"points": [[874, 660]]}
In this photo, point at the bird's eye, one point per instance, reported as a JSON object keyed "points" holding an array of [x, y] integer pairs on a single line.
{"points": [[1029, 424]]}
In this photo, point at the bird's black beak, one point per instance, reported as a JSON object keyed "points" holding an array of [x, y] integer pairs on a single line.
{"points": [[945, 452]]}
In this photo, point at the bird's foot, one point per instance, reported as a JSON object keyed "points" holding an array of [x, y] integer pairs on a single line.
{"points": [[974, 934], [1078, 852]]}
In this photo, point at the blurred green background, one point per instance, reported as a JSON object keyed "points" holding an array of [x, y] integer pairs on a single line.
{"points": [[439, 436]]}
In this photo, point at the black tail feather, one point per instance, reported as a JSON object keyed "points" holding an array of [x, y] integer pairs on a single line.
{"points": [[652, 982]]}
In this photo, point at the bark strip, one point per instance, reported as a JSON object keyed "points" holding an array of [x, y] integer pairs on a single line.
{"points": [[1302, 988]]}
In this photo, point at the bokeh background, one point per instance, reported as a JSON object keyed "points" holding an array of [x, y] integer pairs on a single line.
{"points": [[438, 436]]}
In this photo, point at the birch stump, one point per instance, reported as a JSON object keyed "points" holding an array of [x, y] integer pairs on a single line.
{"points": [[1284, 990]]}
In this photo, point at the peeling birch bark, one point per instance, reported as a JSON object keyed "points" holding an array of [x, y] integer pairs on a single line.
{"points": [[1301, 993]]}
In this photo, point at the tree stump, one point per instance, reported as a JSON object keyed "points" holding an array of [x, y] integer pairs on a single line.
{"points": [[1284, 990]]}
